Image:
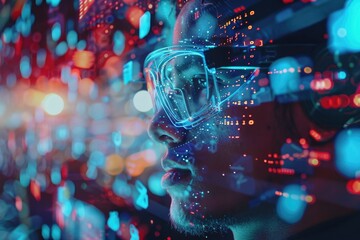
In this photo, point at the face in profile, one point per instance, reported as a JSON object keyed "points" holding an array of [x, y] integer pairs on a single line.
{"points": [[225, 159], [215, 171]]}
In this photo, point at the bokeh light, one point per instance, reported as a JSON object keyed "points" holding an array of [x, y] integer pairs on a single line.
{"points": [[53, 104], [142, 101]]}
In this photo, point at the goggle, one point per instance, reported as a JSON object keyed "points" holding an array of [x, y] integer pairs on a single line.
{"points": [[191, 83]]}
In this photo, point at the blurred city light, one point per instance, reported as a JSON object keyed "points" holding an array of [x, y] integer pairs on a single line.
{"points": [[142, 101], [53, 104]]}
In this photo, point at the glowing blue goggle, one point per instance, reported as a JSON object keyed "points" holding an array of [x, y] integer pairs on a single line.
{"points": [[191, 83]]}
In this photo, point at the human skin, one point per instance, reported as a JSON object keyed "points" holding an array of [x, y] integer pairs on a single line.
{"points": [[228, 183]]}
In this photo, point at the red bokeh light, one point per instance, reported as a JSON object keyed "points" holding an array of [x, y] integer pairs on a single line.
{"points": [[353, 186], [133, 15]]}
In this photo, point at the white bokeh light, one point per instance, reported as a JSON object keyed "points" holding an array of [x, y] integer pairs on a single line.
{"points": [[142, 101], [53, 104]]}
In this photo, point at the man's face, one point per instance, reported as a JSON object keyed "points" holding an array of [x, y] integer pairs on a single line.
{"points": [[216, 172]]}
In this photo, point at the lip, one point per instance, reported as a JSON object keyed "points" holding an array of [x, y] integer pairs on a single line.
{"points": [[178, 173], [176, 178]]}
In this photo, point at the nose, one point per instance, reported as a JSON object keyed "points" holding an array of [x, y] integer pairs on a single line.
{"points": [[162, 130]]}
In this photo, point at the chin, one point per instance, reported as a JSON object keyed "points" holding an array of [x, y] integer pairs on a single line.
{"points": [[196, 222]]}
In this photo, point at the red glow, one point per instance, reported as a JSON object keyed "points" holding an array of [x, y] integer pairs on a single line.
{"points": [[84, 7], [239, 9], [325, 156], [16, 11], [129, 2], [64, 172], [356, 100], [18, 203], [133, 15], [321, 84], [35, 190], [288, 1], [336, 101], [353, 186], [59, 216], [315, 135], [282, 171]]}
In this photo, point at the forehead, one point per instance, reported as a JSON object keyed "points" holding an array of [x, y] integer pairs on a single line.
{"points": [[196, 24]]}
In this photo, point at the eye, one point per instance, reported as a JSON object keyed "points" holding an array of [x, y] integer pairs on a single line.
{"points": [[200, 81]]}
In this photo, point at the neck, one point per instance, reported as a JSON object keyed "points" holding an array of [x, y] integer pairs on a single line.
{"points": [[266, 228]]}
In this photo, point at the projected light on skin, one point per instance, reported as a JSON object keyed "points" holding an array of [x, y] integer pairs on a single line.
{"points": [[53, 104]]}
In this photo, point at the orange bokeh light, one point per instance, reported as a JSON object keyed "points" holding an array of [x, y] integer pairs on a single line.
{"points": [[133, 15]]}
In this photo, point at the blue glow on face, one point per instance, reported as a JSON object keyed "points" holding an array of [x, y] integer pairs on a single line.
{"points": [[56, 32], [25, 67], [113, 221], [291, 207], [154, 184], [347, 152], [144, 27], [343, 28]]}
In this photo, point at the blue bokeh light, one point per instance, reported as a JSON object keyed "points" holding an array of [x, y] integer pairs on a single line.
{"points": [[291, 207], [347, 152]]}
